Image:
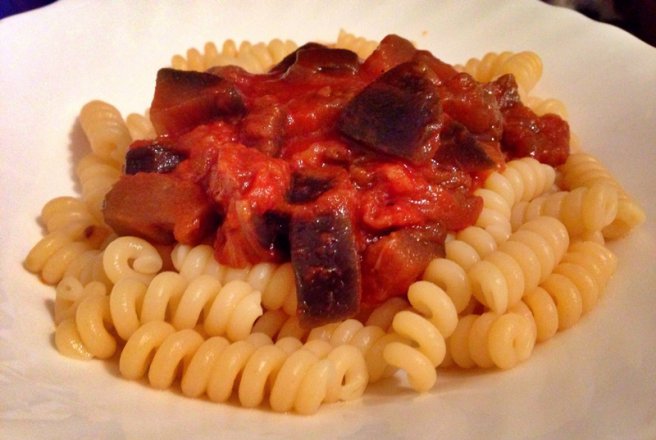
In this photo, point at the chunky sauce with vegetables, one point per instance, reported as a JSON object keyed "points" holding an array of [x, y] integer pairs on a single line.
{"points": [[355, 170]]}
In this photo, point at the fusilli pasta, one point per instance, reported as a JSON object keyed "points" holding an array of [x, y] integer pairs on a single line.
{"points": [[106, 131], [501, 277], [584, 170], [582, 210], [491, 339], [434, 318], [301, 377]]}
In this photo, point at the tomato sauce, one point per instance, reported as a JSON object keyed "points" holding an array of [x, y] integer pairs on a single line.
{"points": [[386, 152]]}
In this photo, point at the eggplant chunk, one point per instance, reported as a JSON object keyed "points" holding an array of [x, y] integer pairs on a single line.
{"points": [[152, 158], [327, 60], [160, 208], [317, 58], [392, 51], [290, 59], [308, 185], [398, 114], [185, 99], [325, 261], [463, 150], [396, 260], [272, 230]]}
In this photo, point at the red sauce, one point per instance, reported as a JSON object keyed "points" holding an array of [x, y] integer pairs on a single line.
{"points": [[264, 147]]}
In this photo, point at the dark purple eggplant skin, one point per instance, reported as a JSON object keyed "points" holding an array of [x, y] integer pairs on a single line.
{"points": [[463, 150], [308, 185], [326, 265], [273, 232], [397, 114], [153, 158], [185, 99], [318, 58]]}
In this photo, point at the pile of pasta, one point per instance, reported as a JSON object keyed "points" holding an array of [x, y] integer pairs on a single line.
{"points": [[532, 265]]}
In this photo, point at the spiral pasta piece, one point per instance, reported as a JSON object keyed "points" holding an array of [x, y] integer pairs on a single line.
{"points": [[582, 210], [542, 106], [383, 315], [96, 176], [361, 46], [278, 324], [500, 279], [89, 319], [571, 291], [495, 215], [469, 246], [72, 216], [70, 244], [229, 310], [433, 319], [70, 292], [87, 334], [52, 255], [604, 263], [192, 261], [88, 267], [140, 126], [370, 340], [275, 281], [301, 378], [522, 180], [492, 339], [133, 257], [585, 170], [106, 131], [452, 278]]}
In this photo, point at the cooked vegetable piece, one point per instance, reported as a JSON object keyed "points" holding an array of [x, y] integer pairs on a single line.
{"points": [[397, 114], [444, 71], [325, 261], [152, 158], [272, 229], [184, 100], [392, 51], [463, 150], [396, 260], [470, 104], [290, 59], [505, 90], [317, 58], [308, 185], [320, 59], [545, 138], [160, 208]]}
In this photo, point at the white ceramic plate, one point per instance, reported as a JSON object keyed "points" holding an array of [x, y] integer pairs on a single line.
{"points": [[597, 380]]}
